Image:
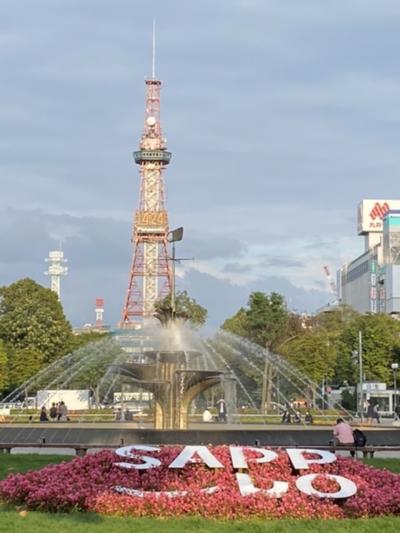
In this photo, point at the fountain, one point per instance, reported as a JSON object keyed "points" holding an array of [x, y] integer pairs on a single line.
{"points": [[174, 368], [174, 384]]}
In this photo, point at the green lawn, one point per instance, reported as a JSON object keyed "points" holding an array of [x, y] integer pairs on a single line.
{"points": [[23, 462], [34, 522], [11, 521], [390, 464]]}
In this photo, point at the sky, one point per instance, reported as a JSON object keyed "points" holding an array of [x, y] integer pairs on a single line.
{"points": [[281, 116]]}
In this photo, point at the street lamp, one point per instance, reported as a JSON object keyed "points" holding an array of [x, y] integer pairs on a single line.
{"points": [[359, 354], [174, 236], [395, 367]]}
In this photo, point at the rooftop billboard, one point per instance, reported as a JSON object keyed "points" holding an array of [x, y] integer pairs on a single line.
{"points": [[371, 213]]}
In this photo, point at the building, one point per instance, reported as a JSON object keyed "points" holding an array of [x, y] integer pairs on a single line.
{"points": [[371, 282]]}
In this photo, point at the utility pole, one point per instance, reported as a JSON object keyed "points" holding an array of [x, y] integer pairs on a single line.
{"points": [[359, 354], [174, 236], [395, 367], [173, 284], [264, 385], [360, 364]]}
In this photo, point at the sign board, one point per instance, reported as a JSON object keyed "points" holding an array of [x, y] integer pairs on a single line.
{"points": [[371, 213], [301, 459]]}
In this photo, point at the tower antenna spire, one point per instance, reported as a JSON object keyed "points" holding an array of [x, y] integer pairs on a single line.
{"points": [[153, 70]]}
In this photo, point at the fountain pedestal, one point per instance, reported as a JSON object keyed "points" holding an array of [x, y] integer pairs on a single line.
{"points": [[172, 380]]}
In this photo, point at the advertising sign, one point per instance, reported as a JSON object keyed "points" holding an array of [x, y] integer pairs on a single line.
{"points": [[371, 213]]}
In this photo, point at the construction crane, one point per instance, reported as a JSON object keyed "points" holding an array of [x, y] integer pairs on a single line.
{"points": [[332, 284]]}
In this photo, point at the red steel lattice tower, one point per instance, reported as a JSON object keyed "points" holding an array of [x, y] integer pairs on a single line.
{"points": [[150, 276]]}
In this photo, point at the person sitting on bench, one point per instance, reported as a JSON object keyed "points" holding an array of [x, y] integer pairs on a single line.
{"points": [[343, 435]]}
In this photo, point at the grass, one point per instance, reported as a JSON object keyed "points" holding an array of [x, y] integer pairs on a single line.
{"points": [[34, 522], [390, 464], [23, 462]]}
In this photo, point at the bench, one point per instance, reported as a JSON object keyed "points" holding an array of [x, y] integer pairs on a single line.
{"points": [[81, 449], [367, 451]]}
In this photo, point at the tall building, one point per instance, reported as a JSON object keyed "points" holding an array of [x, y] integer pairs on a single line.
{"points": [[149, 276], [371, 282]]}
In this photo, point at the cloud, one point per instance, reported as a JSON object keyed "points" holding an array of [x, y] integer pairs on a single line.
{"points": [[281, 116], [212, 247], [237, 267], [281, 262]]}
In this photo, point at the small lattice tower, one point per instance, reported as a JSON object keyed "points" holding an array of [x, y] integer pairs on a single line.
{"points": [[149, 277], [56, 269]]}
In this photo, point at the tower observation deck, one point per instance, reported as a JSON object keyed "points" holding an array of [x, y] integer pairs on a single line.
{"points": [[149, 276]]}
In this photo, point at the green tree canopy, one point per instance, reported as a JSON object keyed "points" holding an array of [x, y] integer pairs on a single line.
{"points": [[380, 345], [314, 353], [25, 362], [31, 317], [4, 376], [186, 308], [264, 321]]}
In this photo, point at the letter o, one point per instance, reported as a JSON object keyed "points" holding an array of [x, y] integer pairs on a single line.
{"points": [[347, 487]]}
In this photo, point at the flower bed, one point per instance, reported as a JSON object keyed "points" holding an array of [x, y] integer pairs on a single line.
{"points": [[92, 483]]}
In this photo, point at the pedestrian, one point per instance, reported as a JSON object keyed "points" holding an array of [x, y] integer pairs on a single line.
{"points": [[376, 415], [58, 410], [343, 435], [53, 412], [370, 412], [286, 416], [297, 417], [308, 418], [63, 412], [397, 412], [43, 415], [221, 410]]}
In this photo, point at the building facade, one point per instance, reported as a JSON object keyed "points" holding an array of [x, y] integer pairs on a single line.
{"points": [[371, 282]]}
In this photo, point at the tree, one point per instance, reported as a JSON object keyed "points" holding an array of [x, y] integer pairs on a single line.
{"points": [[3, 367], [264, 321], [25, 363], [380, 345], [267, 322], [86, 337], [31, 317], [186, 309], [314, 353], [237, 324]]}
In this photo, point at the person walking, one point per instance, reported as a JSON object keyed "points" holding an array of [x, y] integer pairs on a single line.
{"points": [[343, 435], [397, 412], [376, 415], [221, 410], [370, 412]]}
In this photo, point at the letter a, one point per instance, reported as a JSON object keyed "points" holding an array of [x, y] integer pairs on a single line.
{"points": [[187, 456]]}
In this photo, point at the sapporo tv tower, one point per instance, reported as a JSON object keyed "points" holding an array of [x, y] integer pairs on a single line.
{"points": [[150, 274]]}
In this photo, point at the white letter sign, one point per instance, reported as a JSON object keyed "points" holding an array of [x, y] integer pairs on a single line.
{"points": [[347, 487], [149, 462], [187, 456], [247, 488], [239, 460], [299, 462]]}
